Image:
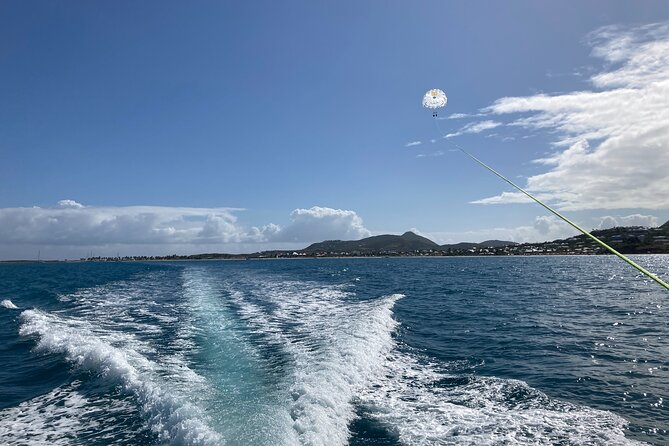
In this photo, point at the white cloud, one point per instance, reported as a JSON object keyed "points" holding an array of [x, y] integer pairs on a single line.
{"points": [[321, 223], [612, 146], [648, 221], [543, 228], [413, 143], [432, 154], [71, 229], [69, 204], [475, 127], [505, 198], [519, 197], [70, 223], [462, 116]]}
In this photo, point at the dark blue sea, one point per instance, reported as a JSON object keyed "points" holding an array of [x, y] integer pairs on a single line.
{"points": [[384, 351]]}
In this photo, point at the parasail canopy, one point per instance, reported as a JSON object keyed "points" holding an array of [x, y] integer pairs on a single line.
{"points": [[434, 99]]}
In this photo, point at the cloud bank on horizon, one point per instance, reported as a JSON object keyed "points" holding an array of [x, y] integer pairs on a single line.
{"points": [[70, 226], [72, 230], [612, 146]]}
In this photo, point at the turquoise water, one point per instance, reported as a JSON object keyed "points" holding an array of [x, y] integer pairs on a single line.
{"points": [[437, 351]]}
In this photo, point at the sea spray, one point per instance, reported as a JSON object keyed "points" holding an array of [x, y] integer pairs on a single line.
{"points": [[6, 303], [170, 415]]}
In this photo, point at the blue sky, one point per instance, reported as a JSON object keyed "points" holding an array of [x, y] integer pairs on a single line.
{"points": [[161, 127]]}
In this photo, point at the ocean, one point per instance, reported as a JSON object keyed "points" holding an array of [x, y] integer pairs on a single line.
{"points": [[384, 351]]}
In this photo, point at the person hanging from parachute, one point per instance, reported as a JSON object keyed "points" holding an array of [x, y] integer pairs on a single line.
{"points": [[436, 99]]}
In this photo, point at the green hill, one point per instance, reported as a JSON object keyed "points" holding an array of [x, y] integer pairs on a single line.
{"points": [[407, 242], [399, 243]]}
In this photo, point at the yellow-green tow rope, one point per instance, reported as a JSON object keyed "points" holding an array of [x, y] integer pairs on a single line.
{"points": [[598, 241]]}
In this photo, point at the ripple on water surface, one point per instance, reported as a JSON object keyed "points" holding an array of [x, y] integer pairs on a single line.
{"points": [[400, 351]]}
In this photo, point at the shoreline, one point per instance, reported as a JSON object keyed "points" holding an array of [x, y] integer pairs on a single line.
{"points": [[111, 260]]}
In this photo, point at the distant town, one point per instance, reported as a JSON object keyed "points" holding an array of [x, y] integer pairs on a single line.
{"points": [[628, 240]]}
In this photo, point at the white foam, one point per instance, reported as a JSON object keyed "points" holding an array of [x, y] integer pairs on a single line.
{"points": [[47, 419], [342, 356], [345, 356], [58, 417], [410, 401], [337, 345], [170, 414], [326, 384], [8, 304]]}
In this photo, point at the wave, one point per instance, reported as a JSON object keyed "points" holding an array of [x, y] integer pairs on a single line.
{"points": [[336, 344], [6, 303], [171, 417], [286, 362], [326, 383], [64, 414], [348, 363], [425, 406], [52, 418]]}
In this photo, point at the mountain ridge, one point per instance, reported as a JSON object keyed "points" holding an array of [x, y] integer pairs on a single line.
{"points": [[409, 241], [627, 239]]}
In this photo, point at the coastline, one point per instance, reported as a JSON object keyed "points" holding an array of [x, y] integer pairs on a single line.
{"points": [[251, 258]]}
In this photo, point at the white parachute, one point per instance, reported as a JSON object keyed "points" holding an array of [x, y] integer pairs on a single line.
{"points": [[434, 99]]}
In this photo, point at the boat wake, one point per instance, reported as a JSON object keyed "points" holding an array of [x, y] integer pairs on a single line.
{"points": [[258, 358], [347, 362]]}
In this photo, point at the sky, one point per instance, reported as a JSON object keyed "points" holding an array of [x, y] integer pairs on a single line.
{"points": [[164, 127]]}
